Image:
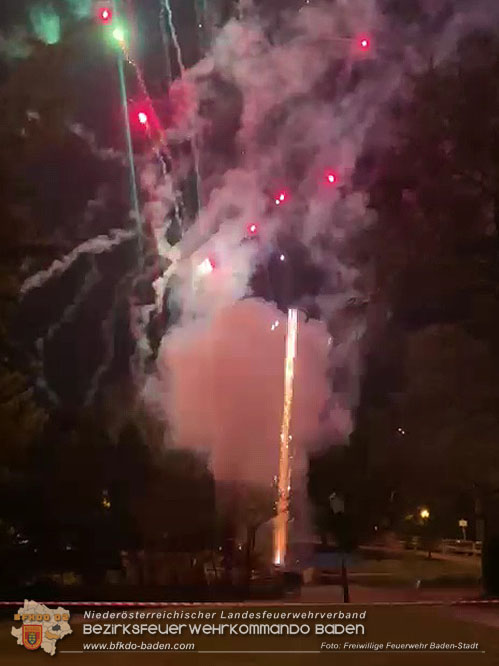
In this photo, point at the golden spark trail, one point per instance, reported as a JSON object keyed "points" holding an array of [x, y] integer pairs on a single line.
{"points": [[284, 479]]}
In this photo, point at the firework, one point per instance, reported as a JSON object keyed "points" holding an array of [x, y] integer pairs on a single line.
{"points": [[284, 479]]}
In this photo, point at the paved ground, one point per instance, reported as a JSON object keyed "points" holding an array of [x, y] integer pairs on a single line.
{"points": [[379, 594]]}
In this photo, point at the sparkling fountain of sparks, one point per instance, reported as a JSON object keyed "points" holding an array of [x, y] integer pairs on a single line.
{"points": [[284, 480]]}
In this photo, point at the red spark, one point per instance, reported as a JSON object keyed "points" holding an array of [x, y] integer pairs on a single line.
{"points": [[331, 177], [364, 43], [105, 15], [281, 197]]}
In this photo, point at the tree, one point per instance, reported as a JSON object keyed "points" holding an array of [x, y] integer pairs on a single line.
{"points": [[436, 248], [242, 509]]}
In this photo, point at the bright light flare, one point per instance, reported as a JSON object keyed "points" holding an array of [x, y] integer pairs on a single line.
{"points": [[206, 267], [119, 35], [143, 118], [281, 197], [364, 43], [252, 229], [424, 514], [331, 177], [284, 479], [106, 15]]}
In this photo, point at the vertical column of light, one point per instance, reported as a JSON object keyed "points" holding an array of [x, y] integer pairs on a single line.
{"points": [[284, 478]]}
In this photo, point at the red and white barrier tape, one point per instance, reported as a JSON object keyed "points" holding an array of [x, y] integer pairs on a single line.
{"points": [[169, 604]]}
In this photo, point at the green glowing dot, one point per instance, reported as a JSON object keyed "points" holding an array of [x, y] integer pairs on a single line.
{"points": [[119, 35]]}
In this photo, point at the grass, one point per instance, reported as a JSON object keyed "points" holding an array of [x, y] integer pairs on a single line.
{"points": [[413, 567]]}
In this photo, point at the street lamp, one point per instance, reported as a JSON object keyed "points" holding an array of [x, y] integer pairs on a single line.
{"points": [[424, 514]]}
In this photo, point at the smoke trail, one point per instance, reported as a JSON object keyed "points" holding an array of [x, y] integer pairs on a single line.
{"points": [[96, 245], [194, 137], [15, 45], [105, 154], [174, 35], [166, 42], [108, 336], [80, 8], [89, 283], [41, 381]]}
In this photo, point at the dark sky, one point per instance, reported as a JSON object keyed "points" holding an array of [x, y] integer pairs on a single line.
{"points": [[68, 176]]}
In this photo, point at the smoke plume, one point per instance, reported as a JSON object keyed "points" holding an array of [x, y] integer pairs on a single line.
{"points": [[283, 108]]}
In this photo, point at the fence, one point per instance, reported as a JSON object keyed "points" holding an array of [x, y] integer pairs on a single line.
{"points": [[448, 546]]}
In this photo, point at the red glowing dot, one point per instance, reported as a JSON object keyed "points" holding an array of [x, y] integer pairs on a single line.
{"points": [[252, 228], [364, 43], [331, 177], [105, 15], [281, 197], [143, 119]]}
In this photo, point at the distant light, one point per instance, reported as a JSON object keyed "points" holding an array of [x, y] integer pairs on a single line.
{"points": [[274, 326], [282, 257], [424, 514], [252, 228], [143, 119], [331, 177], [277, 202], [119, 35]]}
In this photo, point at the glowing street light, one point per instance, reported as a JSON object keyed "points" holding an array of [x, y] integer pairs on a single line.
{"points": [[143, 119], [424, 514]]}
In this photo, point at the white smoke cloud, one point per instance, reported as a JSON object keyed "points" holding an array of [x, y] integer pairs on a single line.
{"points": [[310, 98], [227, 382]]}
